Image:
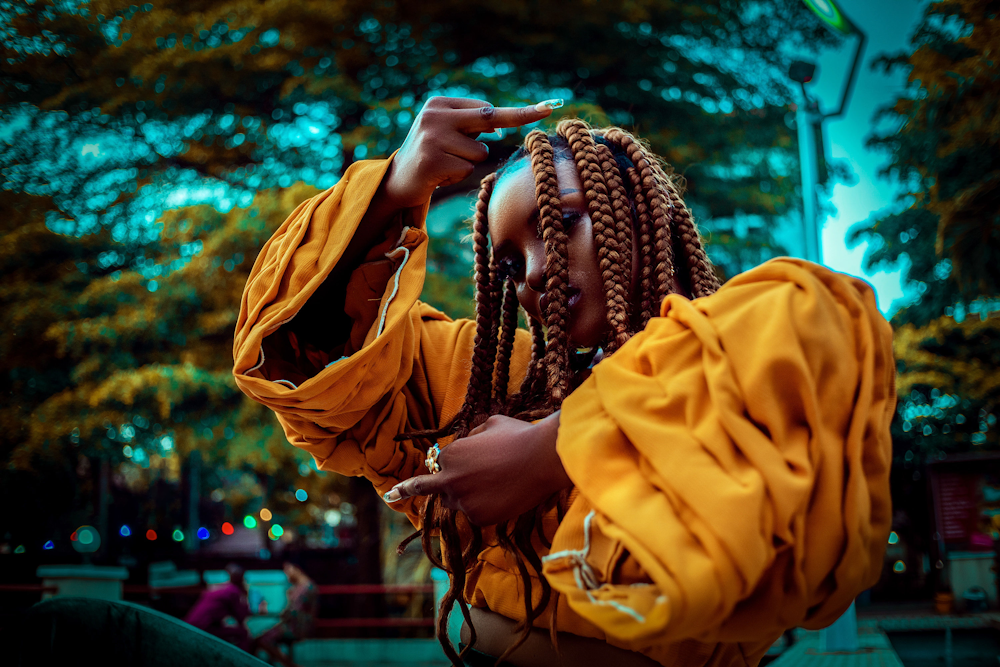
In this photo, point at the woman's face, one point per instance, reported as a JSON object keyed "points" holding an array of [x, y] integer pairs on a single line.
{"points": [[518, 248]]}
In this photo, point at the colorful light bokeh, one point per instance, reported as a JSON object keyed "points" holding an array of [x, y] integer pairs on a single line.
{"points": [[265, 514], [151, 535], [249, 521], [227, 528]]}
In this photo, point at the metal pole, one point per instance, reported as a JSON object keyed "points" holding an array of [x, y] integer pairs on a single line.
{"points": [[842, 634], [807, 158]]}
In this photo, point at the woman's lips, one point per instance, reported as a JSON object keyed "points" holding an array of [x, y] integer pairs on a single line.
{"points": [[573, 299]]}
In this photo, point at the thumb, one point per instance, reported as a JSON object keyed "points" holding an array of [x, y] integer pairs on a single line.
{"points": [[421, 485]]}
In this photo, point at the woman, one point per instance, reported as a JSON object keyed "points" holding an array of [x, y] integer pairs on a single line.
{"points": [[669, 468], [297, 619]]}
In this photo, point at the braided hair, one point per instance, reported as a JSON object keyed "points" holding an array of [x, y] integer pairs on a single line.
{"points": [[634, 203]]}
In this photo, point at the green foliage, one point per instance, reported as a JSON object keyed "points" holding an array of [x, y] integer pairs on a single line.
{"points": [[258, 95], [949, 390], [121, 291], [943, 148]]}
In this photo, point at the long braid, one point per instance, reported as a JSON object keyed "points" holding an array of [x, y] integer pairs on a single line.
{"points": [[703, 278], [556, 265], [508, 324], [479, 391], [645, 225], [523, 404], [621, 208], [663, 264], [613, 261], [628, 193]]}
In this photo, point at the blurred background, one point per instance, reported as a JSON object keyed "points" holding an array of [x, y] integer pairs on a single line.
{"points": [[149, 150]]}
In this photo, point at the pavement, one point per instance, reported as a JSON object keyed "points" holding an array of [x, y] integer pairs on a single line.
{"points": [[875, 649]]}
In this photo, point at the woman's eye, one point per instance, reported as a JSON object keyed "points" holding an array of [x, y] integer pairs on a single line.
{"points": [[571, 218], [512, 267]]}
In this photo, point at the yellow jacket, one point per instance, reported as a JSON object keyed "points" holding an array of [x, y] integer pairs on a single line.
{"points": [[731, 461]]}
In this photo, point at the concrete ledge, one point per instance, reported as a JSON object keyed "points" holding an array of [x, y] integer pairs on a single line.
{"points": [[874, 650], [330, 652]]}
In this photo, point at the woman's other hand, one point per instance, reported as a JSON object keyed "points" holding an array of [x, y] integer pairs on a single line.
{"points": [[499, 471], [441, 146]]}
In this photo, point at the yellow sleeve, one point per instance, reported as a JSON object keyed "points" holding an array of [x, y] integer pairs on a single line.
{"points": [[405, 365], [733, 463]]}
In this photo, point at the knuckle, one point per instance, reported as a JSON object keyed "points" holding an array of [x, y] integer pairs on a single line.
{"points": [[487, 112]]}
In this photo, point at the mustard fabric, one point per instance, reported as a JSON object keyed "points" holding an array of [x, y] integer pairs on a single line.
{"points": [[731, 461]]}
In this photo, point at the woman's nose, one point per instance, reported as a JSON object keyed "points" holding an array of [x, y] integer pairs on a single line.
{"points": [[534, 268]]}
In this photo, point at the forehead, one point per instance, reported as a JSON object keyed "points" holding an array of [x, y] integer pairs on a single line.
{"points": [[514, 199]]}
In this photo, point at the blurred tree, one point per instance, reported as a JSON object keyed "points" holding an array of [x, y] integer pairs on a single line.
{"points": [[126, 357], [941, 136], [41, 278], [942, 144], [264, 94], [116, 115]]}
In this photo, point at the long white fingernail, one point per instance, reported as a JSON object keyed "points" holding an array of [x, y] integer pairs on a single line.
{"points": [[392, 495], [548, 105], [499, 132]]}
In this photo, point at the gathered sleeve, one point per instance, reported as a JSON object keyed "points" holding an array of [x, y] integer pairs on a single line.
{"points": [[399, 366], [733, 463]]}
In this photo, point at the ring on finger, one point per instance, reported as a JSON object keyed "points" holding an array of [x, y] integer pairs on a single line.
{"points": [[431, 461]]}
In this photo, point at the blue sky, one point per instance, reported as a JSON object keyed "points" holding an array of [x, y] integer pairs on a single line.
{"points": [[889, 25]]}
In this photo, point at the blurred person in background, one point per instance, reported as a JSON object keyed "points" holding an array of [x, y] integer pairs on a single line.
{"points": [[661, 471], [222, 610], [297, 619]]}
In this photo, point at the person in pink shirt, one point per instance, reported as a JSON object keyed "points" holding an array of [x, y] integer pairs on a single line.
{"points": [[222, 610]]}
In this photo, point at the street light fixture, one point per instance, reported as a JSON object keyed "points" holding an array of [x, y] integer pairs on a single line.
{"points": [[842, 634], [809, 120]]}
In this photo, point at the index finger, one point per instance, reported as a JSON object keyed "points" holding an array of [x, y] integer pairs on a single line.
{"points": [[487, 118]]}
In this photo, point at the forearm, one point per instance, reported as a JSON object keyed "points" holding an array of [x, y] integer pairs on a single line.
{"points": [[546, 462]]}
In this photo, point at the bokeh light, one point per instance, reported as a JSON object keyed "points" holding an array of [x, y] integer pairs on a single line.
{"points": [[227, 528], [249, 521], [203, 533], [48, 545], [301, 495], [124, 531], [19, 549], [899, 567], [893, 537], [265, 514], [178, 535], [151, 535]]}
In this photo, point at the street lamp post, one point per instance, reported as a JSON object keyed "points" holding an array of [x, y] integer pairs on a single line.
{"points": [[842, 634], [809, 122]]}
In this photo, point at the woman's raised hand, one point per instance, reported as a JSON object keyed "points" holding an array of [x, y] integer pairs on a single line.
{"points": [[501, 469], [441, 146]]}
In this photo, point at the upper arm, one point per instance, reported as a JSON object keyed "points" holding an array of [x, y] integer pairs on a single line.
{"points": [[750, 429]]}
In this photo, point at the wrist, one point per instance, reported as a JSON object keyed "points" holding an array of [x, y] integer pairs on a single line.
{"points": [[553, 474]]}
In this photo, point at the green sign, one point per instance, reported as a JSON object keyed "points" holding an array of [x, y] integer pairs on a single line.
{"points": [[831, 15]]}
